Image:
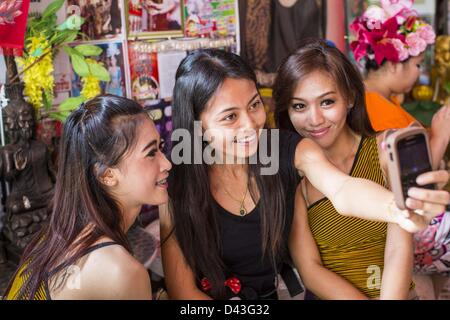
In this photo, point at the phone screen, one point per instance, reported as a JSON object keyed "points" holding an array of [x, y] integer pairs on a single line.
{"points": [[414, 161]]}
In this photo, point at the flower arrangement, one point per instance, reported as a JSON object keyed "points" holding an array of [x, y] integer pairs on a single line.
{"points": [[43, 39], [392, 32], [38, 77]]}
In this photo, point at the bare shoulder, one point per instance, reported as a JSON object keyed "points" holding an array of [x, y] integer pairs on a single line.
{"points": [[113, 273]]}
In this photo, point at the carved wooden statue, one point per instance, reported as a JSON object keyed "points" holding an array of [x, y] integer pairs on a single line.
{"points": [[25, 163]]}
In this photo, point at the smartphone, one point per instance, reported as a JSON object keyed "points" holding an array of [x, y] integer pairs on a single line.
{"points": [[408, 157]]}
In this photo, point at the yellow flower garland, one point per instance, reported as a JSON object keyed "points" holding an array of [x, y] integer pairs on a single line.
{"points": [[39, 78], [91, 87]]}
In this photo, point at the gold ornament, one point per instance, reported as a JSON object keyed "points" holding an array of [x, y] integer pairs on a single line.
{"points": [[422, 93], [440, 74]]}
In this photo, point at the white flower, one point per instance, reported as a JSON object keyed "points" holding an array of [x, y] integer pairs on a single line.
{"points": [[374, 16]]}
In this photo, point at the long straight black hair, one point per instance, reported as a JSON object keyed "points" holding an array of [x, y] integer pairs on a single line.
{"points": [[196, 227], [319, 55], [95, 137]]}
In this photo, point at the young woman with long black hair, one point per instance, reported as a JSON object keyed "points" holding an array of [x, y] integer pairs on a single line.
{"points": [[110, 164]]}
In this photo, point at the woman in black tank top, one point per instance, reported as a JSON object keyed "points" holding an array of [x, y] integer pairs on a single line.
{"points": [[110, 164]]}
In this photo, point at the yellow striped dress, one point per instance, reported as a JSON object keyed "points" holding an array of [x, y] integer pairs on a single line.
{"points": [[19, 280], [43, 292], [351, 247]]}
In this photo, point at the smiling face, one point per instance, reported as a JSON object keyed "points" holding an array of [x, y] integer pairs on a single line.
{"points": [[318, 110], [233, 119], [142, 173]]}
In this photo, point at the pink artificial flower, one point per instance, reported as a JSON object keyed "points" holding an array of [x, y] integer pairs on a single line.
{"points": [[356, 26], [374, 16], [385, 51], [410, 23], [401, 9], [380, 41], [359, 49], [416, 45], [403, 15], [401, 49], [394, 7], [426, 32]]}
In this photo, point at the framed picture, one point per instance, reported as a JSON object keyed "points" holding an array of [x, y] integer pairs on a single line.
{"points": [[143, 74], [207, 18], [37, 7], [103, 18], [154, 18], [62, 74], [112, 58], [168, 63]]}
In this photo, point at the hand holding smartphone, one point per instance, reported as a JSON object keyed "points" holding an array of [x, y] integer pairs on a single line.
{"points": [[408, 157]]}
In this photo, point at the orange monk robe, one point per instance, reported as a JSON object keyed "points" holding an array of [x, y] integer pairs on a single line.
{"points": [[385, 114]]}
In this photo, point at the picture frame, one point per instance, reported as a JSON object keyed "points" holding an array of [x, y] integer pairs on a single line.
{"points": [[37, 7], [104, 19], [144, 79], [63, 73], [153, 19], [207, 18], [114, 59]]}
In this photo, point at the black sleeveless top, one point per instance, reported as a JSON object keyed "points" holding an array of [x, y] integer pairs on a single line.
{"points": [[241, 237]]}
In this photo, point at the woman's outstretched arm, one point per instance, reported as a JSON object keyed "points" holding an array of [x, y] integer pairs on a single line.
{"points": [[367, 200]]}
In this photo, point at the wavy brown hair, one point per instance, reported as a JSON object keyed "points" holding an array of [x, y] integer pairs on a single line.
{"points": [[320, 55]]}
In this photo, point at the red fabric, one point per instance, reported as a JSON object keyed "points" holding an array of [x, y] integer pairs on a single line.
{"points": [[13, 23], [233, 283]]}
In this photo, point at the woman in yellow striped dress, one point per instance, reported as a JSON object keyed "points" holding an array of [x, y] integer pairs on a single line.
{"points": [[320, 94]]}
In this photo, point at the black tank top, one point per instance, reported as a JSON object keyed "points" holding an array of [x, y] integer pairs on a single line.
{"points": [[241, 237], [242, 253]]}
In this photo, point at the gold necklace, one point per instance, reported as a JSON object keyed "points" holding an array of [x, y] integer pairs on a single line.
{"points": [[242, 210]]}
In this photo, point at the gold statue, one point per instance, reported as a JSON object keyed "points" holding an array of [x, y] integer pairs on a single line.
{"points": [[441, 70]]}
